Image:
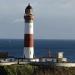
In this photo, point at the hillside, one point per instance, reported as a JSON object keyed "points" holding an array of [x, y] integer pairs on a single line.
{"points": [[31, 70]]}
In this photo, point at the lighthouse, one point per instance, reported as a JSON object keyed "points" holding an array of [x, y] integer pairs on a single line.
{"points": [[28, 33]]}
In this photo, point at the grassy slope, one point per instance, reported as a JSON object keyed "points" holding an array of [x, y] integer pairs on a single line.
{"points": [[16, 70], [29, 70]]}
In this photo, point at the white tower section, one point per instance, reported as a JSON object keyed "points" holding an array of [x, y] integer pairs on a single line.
{"points": [[60, 55], [28, 33]]}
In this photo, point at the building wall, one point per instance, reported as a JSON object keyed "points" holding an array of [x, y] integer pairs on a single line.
{"points": [[65, 64]]}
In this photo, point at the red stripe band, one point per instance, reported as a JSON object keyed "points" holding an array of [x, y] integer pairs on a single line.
{"points": [[28, 40]]}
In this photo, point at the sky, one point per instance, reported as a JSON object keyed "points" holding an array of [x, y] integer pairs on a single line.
{"points": [[54, 19]]}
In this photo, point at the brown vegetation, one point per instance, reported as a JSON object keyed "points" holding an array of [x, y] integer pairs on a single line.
{"points": [[55, 71], [35, 70]]}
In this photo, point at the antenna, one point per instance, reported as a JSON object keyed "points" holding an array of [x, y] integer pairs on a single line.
{"points": [[49, 53]]}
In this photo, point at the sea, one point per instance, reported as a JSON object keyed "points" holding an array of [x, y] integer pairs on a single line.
{"points": [[42, 48]]}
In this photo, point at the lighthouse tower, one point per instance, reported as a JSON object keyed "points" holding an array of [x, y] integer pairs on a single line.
{"points": [[28, 33]]}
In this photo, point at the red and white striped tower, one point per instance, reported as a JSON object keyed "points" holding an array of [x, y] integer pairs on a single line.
{"points": [[28, 33]]}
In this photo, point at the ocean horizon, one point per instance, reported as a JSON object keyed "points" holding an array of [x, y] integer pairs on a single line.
{"points": [[15, 47]]}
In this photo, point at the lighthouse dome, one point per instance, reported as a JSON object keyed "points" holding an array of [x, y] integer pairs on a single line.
{"points": [[29, 6], [28, 9]]}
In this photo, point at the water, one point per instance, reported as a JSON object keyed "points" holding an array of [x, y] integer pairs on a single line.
{"points": [[15, 47]]}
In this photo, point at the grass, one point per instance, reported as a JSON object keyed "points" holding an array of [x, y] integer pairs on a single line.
{"points": [[33, 70]]}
